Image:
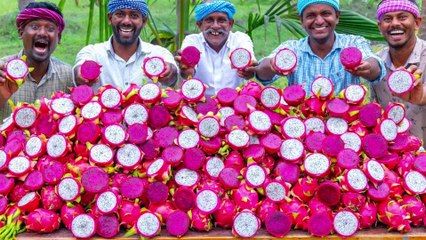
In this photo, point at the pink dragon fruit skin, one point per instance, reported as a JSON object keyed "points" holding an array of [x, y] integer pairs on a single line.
{"points": [[415, 209], [297, 211], [200, 221], [304, 188], [245, 197], [68, 213], [391, 213], [42, 221], [265, 208], [367, 215], [226, 212]]}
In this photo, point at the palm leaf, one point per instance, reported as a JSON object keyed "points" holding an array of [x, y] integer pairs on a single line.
{"points": [[354, 23]]}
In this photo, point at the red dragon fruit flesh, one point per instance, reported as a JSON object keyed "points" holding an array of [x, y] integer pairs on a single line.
{"points": [[190, 56], [90, 70], [351, 57]]}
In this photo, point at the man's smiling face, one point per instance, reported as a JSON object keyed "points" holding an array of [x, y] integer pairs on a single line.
{"points": [[216, 27], [126, 25], [319, 21], [399, 28], [40, 38]]}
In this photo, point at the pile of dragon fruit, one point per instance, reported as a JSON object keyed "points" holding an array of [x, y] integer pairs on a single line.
{"points": [[149, 160]]}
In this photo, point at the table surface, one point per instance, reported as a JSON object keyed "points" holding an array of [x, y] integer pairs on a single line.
{"points": [[218, 233]]}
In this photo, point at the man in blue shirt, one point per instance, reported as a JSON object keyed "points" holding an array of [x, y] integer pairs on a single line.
{"points": [[319, 53]]}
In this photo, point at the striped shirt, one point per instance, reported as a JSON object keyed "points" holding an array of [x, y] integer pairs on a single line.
{"points": [[59, 77], [309, 65]]}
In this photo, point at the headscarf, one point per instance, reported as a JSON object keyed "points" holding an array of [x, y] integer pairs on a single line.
{"points": [[31, 14], [204, 9], [397, 5], [302, 4], [140, 5]]}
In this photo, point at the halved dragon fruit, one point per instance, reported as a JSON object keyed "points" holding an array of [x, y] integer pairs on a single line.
{"points": [[314, 124], [355, 180], [188, 138], [186, 177], [246, 224], [240, 58], [34, 147], [322, 87], [208, 126], [404, 126], [351, 141], [114, 135], [177, 223], [25, 116], [270, 97], [110, 97], [400, 81], [19, 165], [350, 57], [83, 226], [395, 111], [347, 158], [63, 106], [291, 150], [148, 225], [226, 96], [192, 90], [159, 169], [388, 129], [101, 154], [275, 191], [29, 202], [255, 175], [238, 139], [374, 171], [150, 93], [316, 165], [190, 56], [68, 189], [107, 202], [355, 94], [346, 223], [129, 156], [207, 201], [336, 126], [213, 167], [259, 122], [285, 61], [4, 159], [16, 69], [90, 70], [293, 127], [278, 224], [91, 110], [414, 182], [58, 146], [153, 67], [225, 112], [135, 113], [68, 125]]}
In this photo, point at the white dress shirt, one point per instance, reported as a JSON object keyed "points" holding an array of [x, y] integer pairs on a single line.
{"points": [[115, 70], [214, 68]]}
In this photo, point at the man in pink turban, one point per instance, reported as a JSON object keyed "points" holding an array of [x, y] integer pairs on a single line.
{"points": [[398, 21], [40, 27]]}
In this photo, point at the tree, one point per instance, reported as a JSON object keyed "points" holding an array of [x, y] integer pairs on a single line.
{"points": [[423, 26]]}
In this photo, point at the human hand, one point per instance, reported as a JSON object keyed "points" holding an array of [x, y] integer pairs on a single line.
{"points": [[248, 72], [79, 80], [185, 71]]}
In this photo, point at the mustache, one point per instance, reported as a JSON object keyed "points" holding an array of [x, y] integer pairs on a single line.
{"points": [[220, 31]]}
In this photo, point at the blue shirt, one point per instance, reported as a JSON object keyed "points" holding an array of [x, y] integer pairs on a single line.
{"points": [[309, 65]]}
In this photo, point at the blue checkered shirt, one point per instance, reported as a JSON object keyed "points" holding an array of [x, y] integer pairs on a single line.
{"points": [[309, 65]]}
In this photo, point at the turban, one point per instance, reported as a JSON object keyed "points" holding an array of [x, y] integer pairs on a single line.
{"points": [[140, 5], [302, 4], [31, 14], [397, 5], [204, 9]]}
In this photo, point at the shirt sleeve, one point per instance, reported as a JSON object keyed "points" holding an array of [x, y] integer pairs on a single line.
{"points": [[364, 46]]}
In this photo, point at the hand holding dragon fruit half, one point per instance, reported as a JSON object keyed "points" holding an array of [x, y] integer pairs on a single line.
{"points": [[150, 160], [17, 69]]}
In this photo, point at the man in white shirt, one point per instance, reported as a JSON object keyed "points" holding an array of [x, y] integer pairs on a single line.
{"points": [[122, 56], [215, 42]]}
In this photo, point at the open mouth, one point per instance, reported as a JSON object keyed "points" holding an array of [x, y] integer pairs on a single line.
{"points": [[41, 45], [396, 32], [126, 30]]}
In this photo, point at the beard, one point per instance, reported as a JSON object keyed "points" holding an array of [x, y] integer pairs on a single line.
{"points": [[126, 41]]}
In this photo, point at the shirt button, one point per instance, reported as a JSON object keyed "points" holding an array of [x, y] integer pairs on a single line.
{"points": [[126, 83]]}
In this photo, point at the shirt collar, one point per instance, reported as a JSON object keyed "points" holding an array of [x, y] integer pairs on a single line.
{"points": [[338, 44]]}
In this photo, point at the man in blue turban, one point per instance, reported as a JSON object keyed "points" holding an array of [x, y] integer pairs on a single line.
{"points": [[122, 56], [319, 52], [216, 41]]}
